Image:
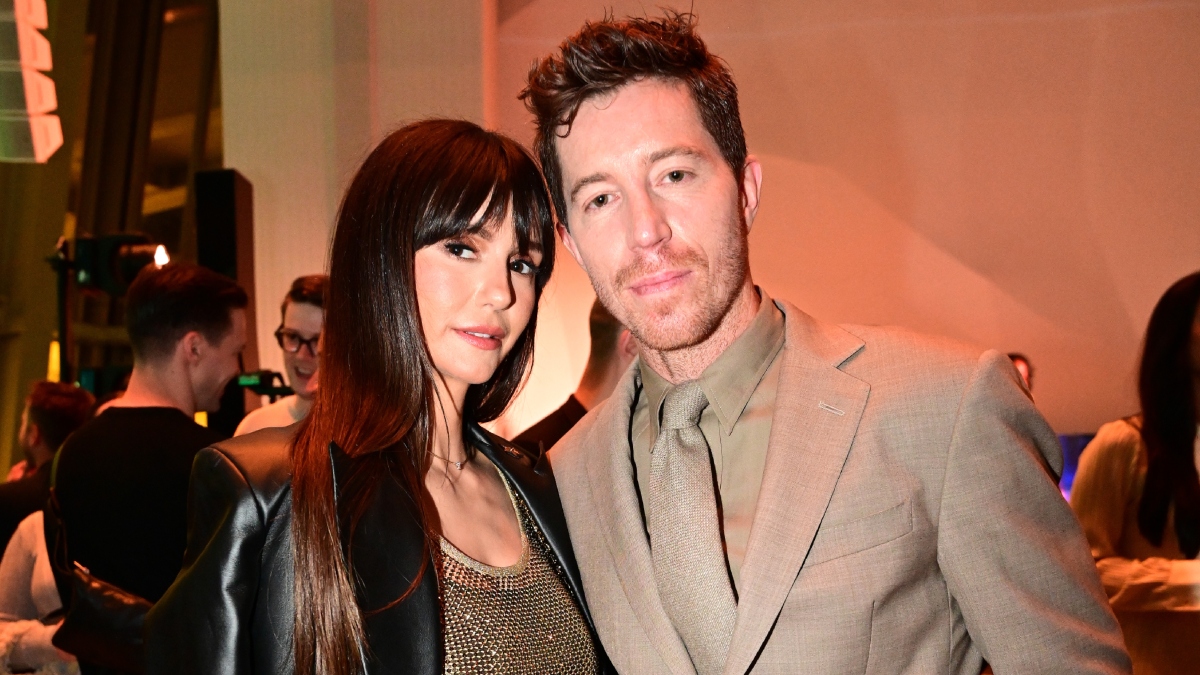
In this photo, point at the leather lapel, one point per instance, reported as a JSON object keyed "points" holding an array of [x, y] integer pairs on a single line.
{"points": [[619, 514], [817, 411], [533, 481], [385, 554]]}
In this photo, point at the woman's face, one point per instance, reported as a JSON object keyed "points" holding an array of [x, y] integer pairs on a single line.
{"points": [[475, 296]]}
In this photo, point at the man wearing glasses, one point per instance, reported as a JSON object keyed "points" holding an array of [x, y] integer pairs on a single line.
{"points": [[298, 335]]}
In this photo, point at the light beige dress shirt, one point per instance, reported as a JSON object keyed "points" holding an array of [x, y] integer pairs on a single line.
{"points": [[740, 386], [1154, 590]]}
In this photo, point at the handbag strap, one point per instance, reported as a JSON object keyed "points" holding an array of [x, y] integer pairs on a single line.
{"points": [[55, 531]]}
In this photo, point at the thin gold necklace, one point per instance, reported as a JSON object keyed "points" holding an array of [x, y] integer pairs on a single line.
{"points": [[457, 465]]}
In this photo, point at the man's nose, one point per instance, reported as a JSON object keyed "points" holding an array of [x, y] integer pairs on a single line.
{"points": [[648, 222]]}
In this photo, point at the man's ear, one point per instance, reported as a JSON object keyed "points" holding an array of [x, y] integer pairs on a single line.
{"points": [[33, 435], [626, 344], [751, 189], [568, 241], [192, 347]]}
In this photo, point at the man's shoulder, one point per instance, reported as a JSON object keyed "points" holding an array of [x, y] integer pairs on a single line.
{"points": [[131, 428], [18, 493], [899, 364], [548, 430], [896, 347]]}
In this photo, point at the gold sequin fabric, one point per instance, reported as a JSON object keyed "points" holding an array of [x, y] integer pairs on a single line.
{"points": [[518, 619]]}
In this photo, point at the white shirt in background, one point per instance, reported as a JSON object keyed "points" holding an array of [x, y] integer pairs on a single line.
{"points": [[282, 413]]}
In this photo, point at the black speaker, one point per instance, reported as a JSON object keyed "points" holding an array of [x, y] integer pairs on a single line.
{"points": [[225, 244]]}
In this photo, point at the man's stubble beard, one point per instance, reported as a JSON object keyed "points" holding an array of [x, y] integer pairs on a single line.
{"points": [[666, 326]]}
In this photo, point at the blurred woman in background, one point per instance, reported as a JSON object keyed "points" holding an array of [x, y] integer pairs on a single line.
{"points": [[1138, 496], [391, 533]]}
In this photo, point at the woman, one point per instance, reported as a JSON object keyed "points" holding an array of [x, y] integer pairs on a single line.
{"points": [[1138, 497], [388, 532]]}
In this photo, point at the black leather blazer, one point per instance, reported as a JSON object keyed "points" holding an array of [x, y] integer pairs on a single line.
{"points": [[230, 609]]}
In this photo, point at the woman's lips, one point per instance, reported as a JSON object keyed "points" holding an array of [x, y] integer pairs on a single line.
{"points": [[657, 283], [481, 338]]}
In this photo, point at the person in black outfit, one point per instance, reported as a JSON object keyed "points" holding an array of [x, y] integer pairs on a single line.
{"points": [[613, 349], [388, 532], [53, 410], [122, 479]]}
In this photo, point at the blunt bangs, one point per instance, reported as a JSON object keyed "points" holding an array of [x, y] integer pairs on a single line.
{"points": [[493, 175]]}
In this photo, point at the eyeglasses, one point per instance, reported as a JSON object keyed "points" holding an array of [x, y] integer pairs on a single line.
{"points": [[291, 341]]}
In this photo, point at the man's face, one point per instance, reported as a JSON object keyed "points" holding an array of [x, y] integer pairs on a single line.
{"points": [[654, 212], [304, 321], [217, 364]]}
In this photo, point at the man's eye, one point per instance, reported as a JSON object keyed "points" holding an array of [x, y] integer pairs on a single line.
{"points": [[600, 200], [676, 176]]}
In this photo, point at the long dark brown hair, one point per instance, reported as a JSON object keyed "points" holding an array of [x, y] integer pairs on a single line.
{"points": [[423, 184], [1168, 425]]}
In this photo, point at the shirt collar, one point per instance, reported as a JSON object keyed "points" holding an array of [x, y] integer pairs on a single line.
{"points": [[730, 381]]}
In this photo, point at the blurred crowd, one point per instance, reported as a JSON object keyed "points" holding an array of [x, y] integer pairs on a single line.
{"points": [[118, 479]]}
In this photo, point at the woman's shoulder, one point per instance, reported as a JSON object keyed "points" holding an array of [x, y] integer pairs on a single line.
{"points": [[261, 460], [1126, 432], [1119, 440]]}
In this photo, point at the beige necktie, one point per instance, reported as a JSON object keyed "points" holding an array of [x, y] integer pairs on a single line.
{"points": [[685, 536]]}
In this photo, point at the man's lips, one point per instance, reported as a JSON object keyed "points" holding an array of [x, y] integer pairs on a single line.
{"points": [[657, 283], [483, 337]]}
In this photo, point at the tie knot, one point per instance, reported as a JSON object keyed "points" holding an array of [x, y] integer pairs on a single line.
{"points": [[683, 405]]}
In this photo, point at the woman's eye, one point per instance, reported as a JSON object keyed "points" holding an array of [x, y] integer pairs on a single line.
{"points": [[460, 250], [525, 267]]}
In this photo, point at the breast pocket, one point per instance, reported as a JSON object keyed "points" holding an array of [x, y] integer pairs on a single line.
{"points": [[838, 540]]}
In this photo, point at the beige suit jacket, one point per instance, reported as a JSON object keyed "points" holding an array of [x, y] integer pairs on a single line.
{"points": [[909, 522]]}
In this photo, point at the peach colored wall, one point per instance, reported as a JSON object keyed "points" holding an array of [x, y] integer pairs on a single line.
{"points": [[1022, 175], [308, 88]]}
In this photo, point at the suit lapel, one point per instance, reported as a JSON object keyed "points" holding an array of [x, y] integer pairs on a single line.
{"points": [[817, 411], [619, 515]]}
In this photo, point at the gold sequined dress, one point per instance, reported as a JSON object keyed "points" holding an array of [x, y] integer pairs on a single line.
{"points": [[518, 619]]}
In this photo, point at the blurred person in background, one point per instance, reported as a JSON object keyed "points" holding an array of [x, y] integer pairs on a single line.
{"points": [[299, 333], [612, 350], [122, 479], [53, 410], [1138, 497], [29, 601], [1024, 368]]}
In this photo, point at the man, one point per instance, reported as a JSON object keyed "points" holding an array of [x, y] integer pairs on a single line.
{"points": [[765, 492], [299, 333], [53, 410], [122, 479], [612, 350]]}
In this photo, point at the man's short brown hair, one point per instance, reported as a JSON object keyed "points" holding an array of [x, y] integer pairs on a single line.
{"points": [[607, 55], [164, 304], [57, 409], [308, 289]]}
